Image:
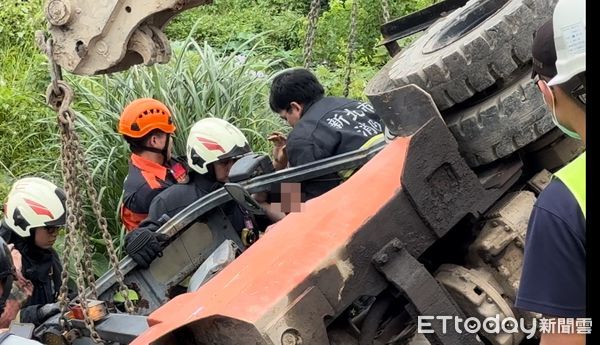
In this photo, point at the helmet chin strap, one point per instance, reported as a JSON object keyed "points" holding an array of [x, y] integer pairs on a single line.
{"points": [[164, 151], [210, 174]]}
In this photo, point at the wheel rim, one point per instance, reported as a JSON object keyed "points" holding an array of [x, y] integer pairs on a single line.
{"points": [[462, 24]]}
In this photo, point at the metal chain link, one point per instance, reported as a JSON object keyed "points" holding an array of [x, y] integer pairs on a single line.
{"points": [[79, 159], [82, 235], [88, 268], [313, 18], [103, 225], [351, 47], [75, 219], [385, 9], [67, 250], [77, 244]]}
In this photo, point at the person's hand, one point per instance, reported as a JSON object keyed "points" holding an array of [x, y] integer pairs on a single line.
{"points": [[20, 292], [144, 245], [16, 257], [260, 197], [280, 159], [272, 211], [18, 263]]}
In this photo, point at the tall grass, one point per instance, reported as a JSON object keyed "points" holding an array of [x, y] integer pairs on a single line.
{"points": [[23, 79], [199, 82]]}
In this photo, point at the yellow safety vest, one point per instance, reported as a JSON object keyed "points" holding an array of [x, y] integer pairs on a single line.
{"points": [[573, 176]]}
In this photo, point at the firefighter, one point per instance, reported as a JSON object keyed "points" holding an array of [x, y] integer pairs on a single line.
{"points": [[556, 235], [33, 214], [213, 145], [8, 277], [322, 127], [147, 126]]}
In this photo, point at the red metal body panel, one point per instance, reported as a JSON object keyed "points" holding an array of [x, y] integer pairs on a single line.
{"points": [[292, 250]]}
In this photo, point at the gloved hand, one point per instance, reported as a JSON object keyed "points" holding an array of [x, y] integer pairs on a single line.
{"points": [[47, 310], [280, 159], [144, 244]]}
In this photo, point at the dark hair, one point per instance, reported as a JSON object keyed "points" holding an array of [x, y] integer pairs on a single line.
{"points": [[294, 85], [138, 145]]}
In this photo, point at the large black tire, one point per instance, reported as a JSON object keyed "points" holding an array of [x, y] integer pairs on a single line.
{"points": [[461, 55], [502, 123]]}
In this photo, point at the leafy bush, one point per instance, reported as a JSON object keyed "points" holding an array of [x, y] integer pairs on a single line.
{"points": [[18, 21], [226, 26], [334, 25]]}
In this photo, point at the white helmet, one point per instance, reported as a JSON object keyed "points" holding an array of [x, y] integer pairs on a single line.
{"points": [[211, 140], [569, 38], [34, 202]]}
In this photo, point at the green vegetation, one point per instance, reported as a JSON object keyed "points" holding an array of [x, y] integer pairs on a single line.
{"points": [[227, 23], [23, 80], [224, 57]]}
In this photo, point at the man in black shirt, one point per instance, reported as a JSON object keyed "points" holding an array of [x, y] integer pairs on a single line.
{"points": [[322, 126]]}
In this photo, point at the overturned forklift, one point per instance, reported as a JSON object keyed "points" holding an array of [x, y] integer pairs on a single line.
{"points": [[432, 224]]}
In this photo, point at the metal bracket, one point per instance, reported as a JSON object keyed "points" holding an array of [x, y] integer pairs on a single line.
{"points": [[540, 181], [422, 290], [94, 37]]}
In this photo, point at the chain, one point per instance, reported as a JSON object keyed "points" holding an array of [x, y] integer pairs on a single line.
{"points": [[313, 18], [385, 9], [47, 47], [77, 244], [351, 47], [81, 236], [75, 219], [102, 224], [88, 268], [67, 250]]}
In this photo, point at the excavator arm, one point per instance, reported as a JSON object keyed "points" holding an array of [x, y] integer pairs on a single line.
{"points": [[94, 37]]}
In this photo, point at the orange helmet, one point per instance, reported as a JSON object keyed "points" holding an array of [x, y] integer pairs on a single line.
{"points": [[144, 115]]}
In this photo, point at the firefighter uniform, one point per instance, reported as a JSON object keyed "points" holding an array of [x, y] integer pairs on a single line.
{"points": [[329, 127], [145, 180], [139, 121]]}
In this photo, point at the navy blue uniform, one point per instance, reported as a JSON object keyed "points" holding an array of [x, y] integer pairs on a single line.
{"points": [[329, 127], [174, 199], [553, 278]]}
